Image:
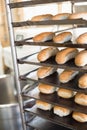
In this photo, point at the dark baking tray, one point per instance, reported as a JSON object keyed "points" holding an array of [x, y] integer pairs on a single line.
{"points": [[73, 84], [68, 44], [56, 100], [54, 81], [32, 59], [43, 124], [62, 121], [35, 2], [79, 22]]}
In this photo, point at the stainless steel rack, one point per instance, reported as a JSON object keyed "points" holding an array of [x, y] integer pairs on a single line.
{"points": [[47, 118]]}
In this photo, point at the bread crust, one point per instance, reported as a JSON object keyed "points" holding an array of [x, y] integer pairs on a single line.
{"points": [[43, 105], [61, 111], [67, 75], [46, 89], [80, 117], [61, 16], [44, 36], [43, 72], [46, 53], [66, 54], [82, 39], [82, 82], [65, 93], [42, 17], [82, 15], [81, 99], [62, 37], [81, 58]]}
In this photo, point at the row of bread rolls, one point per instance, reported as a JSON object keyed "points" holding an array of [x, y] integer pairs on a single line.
{"points": [[66, 54], [44, 17], [64, 77], [79, 98], [61, 111], [60, 37], [60, 16], [68, 75]]}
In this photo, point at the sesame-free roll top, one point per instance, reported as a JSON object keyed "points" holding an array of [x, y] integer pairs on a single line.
{"points": [[46, 53], [65, 55], [43, 72], [62, 37], [44, 36], [42, 17]]}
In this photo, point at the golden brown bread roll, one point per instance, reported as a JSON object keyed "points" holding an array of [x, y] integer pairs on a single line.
{"points": [[81, 58], [44, 36], [61, 16], [65, 93], [46, 53], [62, 37], [82, 39], [42, 17], [82, 15], [80, 117], [61, 111], [43, 72], [67, 75], [43, 105], [82, 82], [46, 89], [65, 55], [81, 99]]}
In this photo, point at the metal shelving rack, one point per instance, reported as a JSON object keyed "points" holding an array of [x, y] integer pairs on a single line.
{"points": [[48, 117]]}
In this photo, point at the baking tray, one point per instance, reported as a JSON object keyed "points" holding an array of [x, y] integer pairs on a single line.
{"points": [[73, 84], [68, 44], [32, 59], [35, 2], [62, 121], [31, 75], [79, 22], [56, 100], [43, 124], [54, 80]]}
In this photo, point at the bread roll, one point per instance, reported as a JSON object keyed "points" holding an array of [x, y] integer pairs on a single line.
{"points": [[61, 16], [43, 72], [67, 75], [81, 99], [44, 36], [42, 17], [82, 82], [65, 93], [47, 53], [46, 89], [43, 105], [82, 39], [80, 117], [61, 111], [82, 15], [62, 37], [65, 55], [81, 58]]}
